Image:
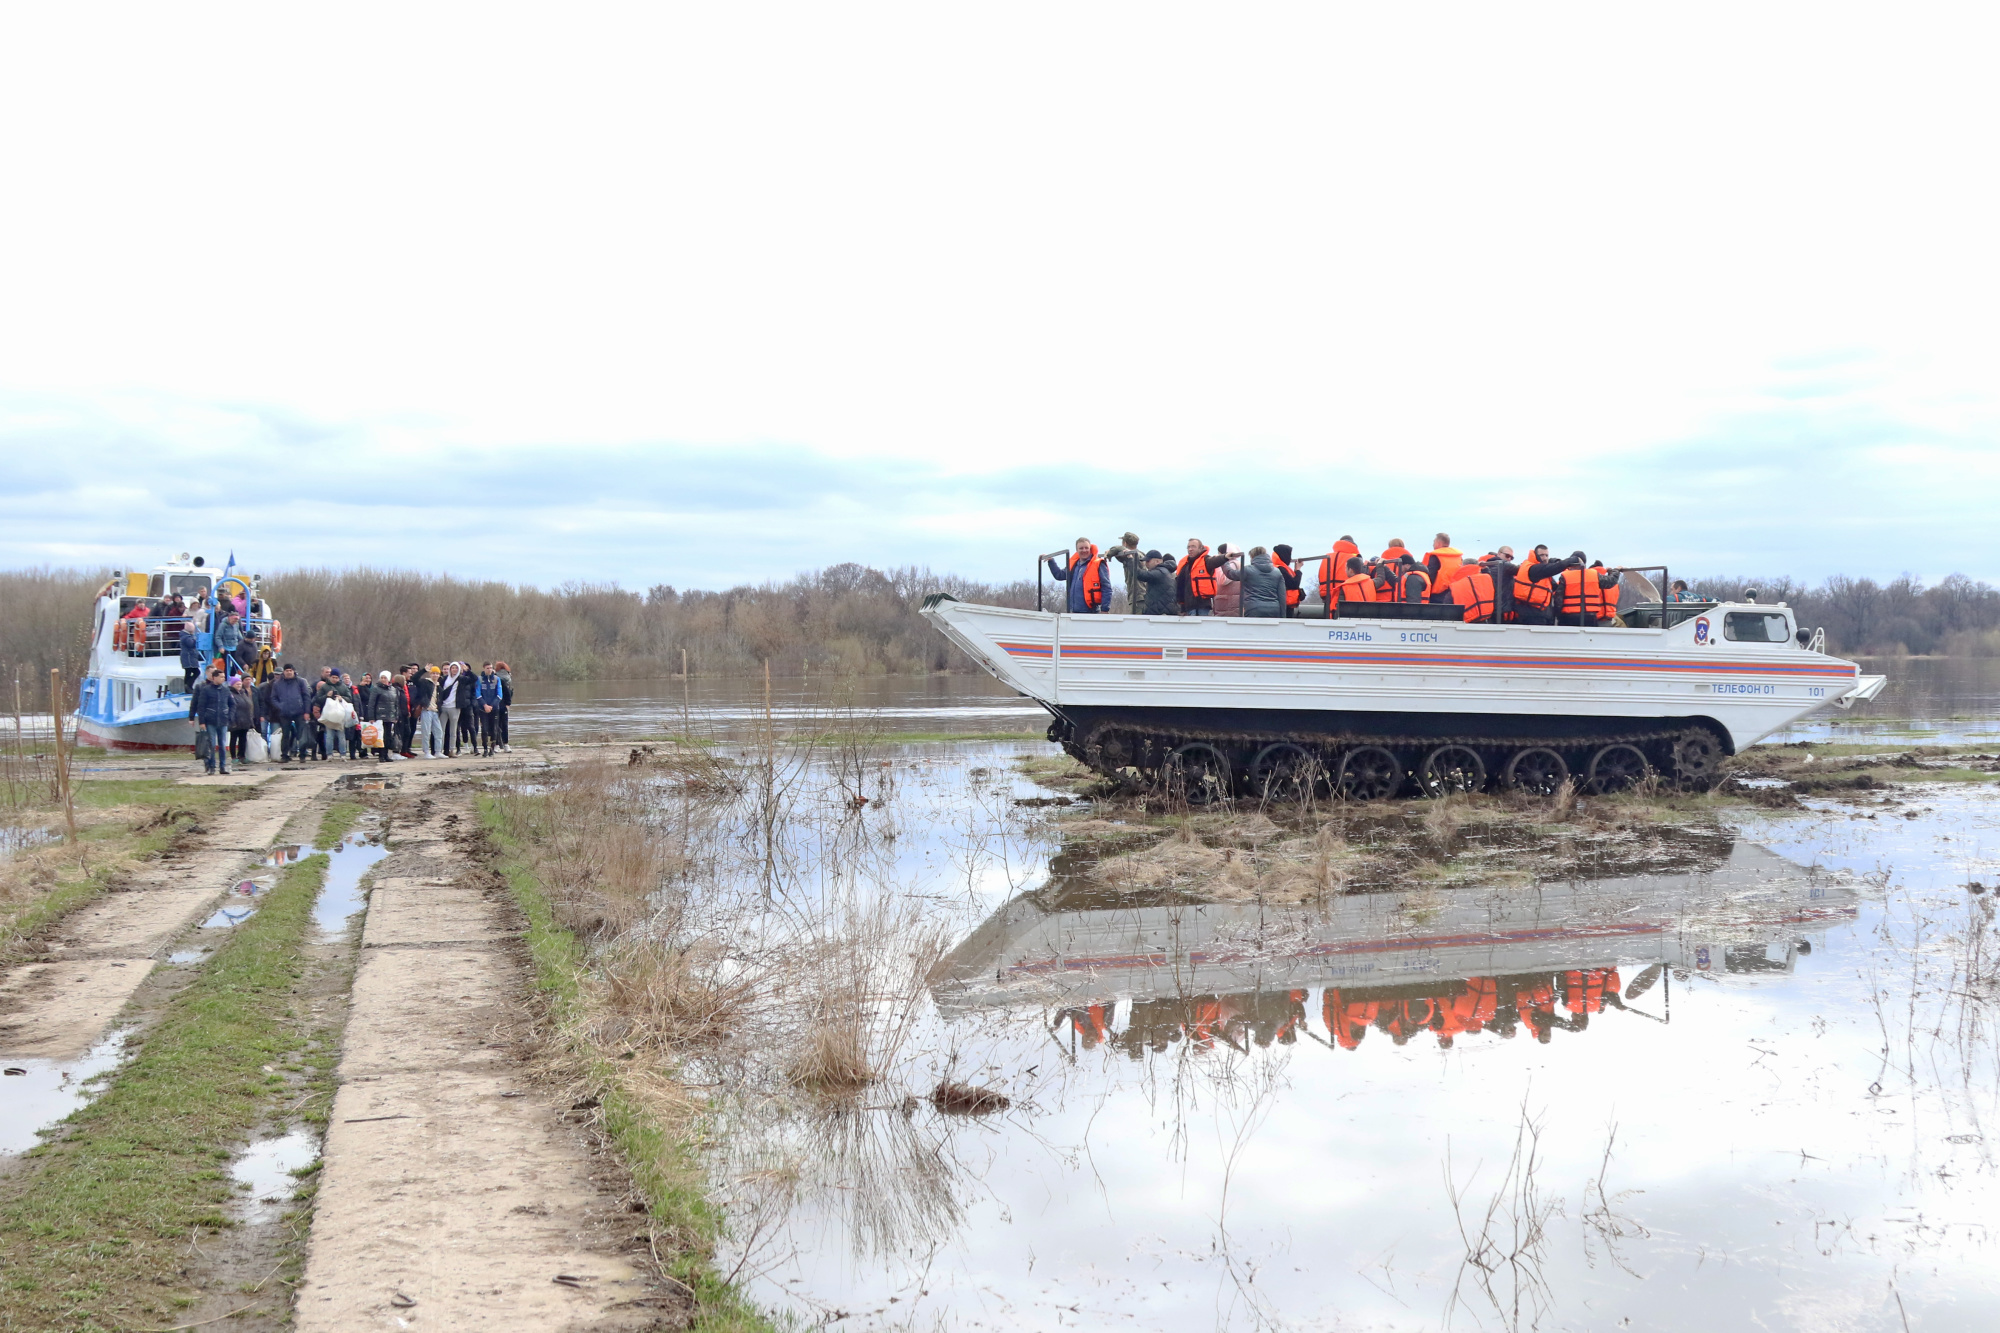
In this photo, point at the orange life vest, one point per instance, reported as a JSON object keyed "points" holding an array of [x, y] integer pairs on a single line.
{"points": [[1360, 588], [1092, 574], [1201, 579], [1474, 592], [1570, 601], [1347, 1020], [1449, 559], [1292, 594], [1413, 585], [1396, 553], [1334, 568], [1527, 591], [1600, 601]]}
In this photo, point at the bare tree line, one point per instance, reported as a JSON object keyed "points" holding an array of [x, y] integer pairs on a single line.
{"points": [[846, 619]]}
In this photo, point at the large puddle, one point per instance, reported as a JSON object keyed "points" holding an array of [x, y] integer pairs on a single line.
{"points": [[1752, 1092]]}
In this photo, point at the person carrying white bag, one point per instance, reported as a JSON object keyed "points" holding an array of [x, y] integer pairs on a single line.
{"points": [[336, 714]]}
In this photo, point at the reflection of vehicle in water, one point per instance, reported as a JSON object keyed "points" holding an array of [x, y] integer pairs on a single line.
{"points": [[1370, 704], [134, 693], [1449, 962]]}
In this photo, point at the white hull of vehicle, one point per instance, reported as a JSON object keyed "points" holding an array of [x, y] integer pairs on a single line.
{"points": [[171, 734], [1405, 667], [1709, 923]]}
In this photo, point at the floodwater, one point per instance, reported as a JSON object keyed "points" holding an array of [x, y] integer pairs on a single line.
{"points": [[1758, 1093], [265, 1172], [35, 1094]]}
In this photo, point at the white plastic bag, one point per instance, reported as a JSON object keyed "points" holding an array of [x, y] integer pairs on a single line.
{"points": [[371, 735], [254, 749], [337, 713]]}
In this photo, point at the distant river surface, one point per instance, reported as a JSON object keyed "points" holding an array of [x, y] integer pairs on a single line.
{"points": [[727, 707], [1940, 699]]}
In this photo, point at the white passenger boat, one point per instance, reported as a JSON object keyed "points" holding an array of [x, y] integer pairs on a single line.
{"points": [[1375, 702], [134, 693]]}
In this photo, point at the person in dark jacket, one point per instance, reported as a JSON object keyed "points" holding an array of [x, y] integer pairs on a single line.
{"points": [[488, 697], [242, 716], [1263, 585], [1194, 574], [211, 708], [190, 655], [505, 676], [1281, 556], [385, 702], [1156, 578], [468, 707], [291, 700]]}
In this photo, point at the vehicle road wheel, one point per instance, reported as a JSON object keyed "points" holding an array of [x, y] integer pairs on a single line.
{"points": [[1285, 772], [1615, 768], [1199, 774], [1451, 770], [1696, 758], [1538, 770], [1368, 773]]}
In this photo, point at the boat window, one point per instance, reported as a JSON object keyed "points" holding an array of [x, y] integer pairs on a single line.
{"points": [[157, 586], [1756, 627], [190, 585]]}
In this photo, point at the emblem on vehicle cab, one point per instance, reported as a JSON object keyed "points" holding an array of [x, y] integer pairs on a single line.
{"points": [[1701, 629]]}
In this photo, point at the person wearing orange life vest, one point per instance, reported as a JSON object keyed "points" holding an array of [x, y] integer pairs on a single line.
{"points": [[1333, 569], [1358, 586], [1347, 1019], [1581, 591], [1600, 597], [1443, 563], [1088, 579], [1194, 579], [1473, 589], [1281, 556], [1411, 583], [1527, 591], [1394, 551]]}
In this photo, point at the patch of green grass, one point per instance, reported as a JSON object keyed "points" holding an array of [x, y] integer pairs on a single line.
{"points": [[665, 1165], [335, 824], [109, 848], [93, 1234]]}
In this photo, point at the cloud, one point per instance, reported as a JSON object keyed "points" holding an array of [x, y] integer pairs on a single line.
{"points": [[1815, 485]]}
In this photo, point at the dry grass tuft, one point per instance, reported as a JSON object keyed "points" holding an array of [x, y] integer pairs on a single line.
{"points": [[833, 1059], [670, 996]]}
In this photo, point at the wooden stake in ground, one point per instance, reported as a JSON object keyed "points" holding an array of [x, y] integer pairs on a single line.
{"points": [[63, 792]]}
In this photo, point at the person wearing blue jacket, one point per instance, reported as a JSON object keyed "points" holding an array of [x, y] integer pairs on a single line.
{"points": [[190, 655], [228, 639], [489, 696], [1089, 578], [211, 709]]}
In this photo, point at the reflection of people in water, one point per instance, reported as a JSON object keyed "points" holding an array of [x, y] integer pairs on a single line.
{"points": [[1448, 1010]]}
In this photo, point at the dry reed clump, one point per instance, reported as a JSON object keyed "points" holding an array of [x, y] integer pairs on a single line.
{"points": [[602, 862], [667, 995]]}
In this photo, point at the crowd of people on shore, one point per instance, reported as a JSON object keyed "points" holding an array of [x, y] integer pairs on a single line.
{"points": [[417, 712], [1271, 582]]}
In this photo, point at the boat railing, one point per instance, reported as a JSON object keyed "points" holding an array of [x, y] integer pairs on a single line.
{"points": [[160, 636]]}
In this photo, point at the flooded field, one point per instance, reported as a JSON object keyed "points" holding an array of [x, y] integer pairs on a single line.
{"points": [[998, 1058]]}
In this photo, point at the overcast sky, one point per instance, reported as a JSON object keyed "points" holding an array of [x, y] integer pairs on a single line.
{"points": [[710, 293]]}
